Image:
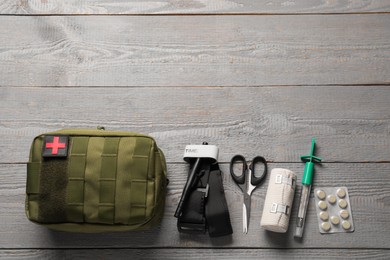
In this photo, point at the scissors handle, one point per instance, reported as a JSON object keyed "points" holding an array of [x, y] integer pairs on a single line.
{"points": [[239, 179], [257, 180]]}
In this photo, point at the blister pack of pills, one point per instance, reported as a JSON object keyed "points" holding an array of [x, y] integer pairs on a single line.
{"points": [[333, 210]]}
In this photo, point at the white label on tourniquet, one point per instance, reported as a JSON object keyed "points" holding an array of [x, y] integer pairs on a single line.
{"points": [[201, 151]]}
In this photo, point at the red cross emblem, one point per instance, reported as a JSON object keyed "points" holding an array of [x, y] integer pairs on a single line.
{"points": [[55, 146]]}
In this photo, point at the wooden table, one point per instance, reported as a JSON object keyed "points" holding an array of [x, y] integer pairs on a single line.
{"points": [[250, 76]]}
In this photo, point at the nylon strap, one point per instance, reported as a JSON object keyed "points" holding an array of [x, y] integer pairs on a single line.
{"points": [[206, 207], [91, 180], [217, 213], [76, 174], [33, 181], [33, 169], [139, 178], [125, 166], [107, 180]]}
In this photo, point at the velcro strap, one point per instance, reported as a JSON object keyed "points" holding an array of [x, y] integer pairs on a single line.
{"points": [[279, 208], [283, 179], [217, 212]]}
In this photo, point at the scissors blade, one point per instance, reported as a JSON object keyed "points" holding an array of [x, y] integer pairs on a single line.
{"points": [[245, 221], [246, 212]]}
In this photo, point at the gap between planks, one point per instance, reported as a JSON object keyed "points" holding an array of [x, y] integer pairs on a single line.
{"points": [[207, 14], [216, 87]]}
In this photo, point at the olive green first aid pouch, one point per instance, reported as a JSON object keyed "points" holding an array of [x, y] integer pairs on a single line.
{"points": [[95, 181]]}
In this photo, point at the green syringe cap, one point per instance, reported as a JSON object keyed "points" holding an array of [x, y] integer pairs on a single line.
{"points": [[308, 172]]}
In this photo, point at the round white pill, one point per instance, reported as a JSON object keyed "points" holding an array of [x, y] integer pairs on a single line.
{"points": [[322, 205], [344, 214], [324, 215], [332, 199], [343, 204], [335, 220], [321, 194], [325, 226], [346, 224], [341, 193]]}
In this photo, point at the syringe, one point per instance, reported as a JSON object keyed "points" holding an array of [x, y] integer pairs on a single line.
{"points": [[307, 180]]}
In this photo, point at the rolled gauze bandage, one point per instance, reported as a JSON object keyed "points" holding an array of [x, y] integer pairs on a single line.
{"points": [[278, 201]]}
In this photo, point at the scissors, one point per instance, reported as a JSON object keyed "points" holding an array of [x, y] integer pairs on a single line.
{"points": [[247, 181]]}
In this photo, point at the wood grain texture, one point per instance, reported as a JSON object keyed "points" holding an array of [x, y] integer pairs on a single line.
{"points": [[194, 50], [101, 7], [196, 254], [351, 124], [251, 76], [367, 184]]}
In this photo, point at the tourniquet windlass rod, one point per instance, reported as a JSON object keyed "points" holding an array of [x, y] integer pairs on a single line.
{"points": [[187, 188], [307, 180]]}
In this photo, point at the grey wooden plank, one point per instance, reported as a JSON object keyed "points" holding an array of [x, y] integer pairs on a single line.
{"points": [[194, 50], [197, 254], [100, 7], [368, 189], [350, 123]]}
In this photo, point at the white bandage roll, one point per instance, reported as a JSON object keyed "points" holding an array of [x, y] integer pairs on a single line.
{"points": [[278, 201]]}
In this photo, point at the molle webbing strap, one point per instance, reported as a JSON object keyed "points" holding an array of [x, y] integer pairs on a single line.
{"points": [[108, 180], [33, 179], [91, 177], [123, 180], [206, 207], [76, 173], [117, 195], [131, 180], [139, 180]]}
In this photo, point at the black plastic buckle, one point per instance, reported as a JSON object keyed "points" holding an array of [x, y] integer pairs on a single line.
{"points": [[191, 227]]}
